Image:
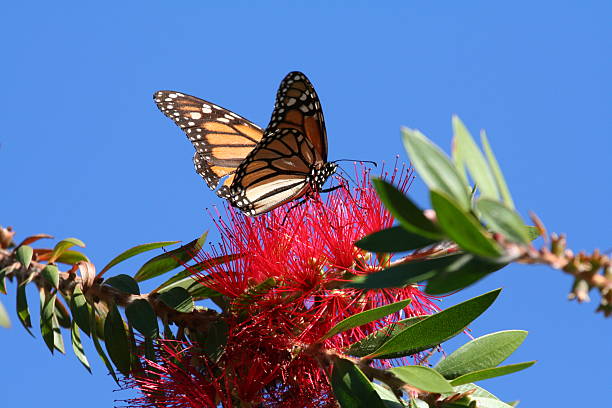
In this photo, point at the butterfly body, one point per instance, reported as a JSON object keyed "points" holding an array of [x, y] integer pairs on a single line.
{"points": [[261, 169]]}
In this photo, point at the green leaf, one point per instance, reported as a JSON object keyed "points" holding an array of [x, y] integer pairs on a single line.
{"points": [[178, 299], [77, 346], [491, 373], [368, 316], [47, 308], [494, 165], [462, 227], [216, 339], [23, 312], [99, 349], [51, 275], [3, 272], [116, 340], [436, 328], [63, 317], [24, 255], [484, 352], [474, 160], [62, 246], [394, 239], [373, 341], [403, 274], [467, 270], [81, 311], [405, 211], [140, 314], [195, 288], [138, 249], [417, 403], [503, 219], [58, 340], [199, 267], [124, 283], [423, 378], [387, 396], [532, 232], [489, 403], [169, 260], [71, 257], [5, 321], [352, 388], [434, 167]]}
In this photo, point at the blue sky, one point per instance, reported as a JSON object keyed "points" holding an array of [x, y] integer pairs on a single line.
{"points": [[85, 153]]}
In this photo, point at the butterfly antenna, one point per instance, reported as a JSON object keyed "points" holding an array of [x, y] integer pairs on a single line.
{"points": [[360, 161]]}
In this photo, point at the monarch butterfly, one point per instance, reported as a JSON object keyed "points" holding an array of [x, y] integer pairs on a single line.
{"points": [[263, 169]]}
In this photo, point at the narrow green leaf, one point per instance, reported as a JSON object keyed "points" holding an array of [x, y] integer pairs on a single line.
{"points": [[81, 311], [503, 219], [124, 283], [24, 255], [417, 403], [71, 257], [216, 339], [423, 378], [51, 275], [116, 340], [488, 403], [5, 321], [462, 227], [459, 160], [474, 160], [23, 312], [434, 167], [58, 339], [484, 352], [491, 373], [195, 288], [169, 260], [387, 396], [62, 246], [77, 346], [375, 340], [532, 232], [404, 274], [3, 280], [140, 314], [178, 299], [47, 308], [199, 267], [352, 388], [368, 316], [436, 328], [494, 165], [138, 249], [394, 239], [468, 270], [99, 349], [62, 314], [405, 211]]}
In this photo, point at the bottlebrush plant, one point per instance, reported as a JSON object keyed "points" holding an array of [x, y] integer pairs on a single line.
{"points": [[320, 306]]}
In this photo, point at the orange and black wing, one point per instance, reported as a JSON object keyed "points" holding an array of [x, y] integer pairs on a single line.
{"points": [[221, 138], [277, 171], [297, 107]]}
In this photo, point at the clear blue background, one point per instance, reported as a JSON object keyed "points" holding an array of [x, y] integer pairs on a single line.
{"points": [[85, 153]]}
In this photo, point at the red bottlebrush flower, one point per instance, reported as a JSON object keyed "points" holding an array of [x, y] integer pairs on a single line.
{"points": [[283, 293]]}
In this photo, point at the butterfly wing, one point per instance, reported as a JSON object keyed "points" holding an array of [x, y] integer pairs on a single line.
{"points": [[277, 171], [221, 138], [297, 107]]}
